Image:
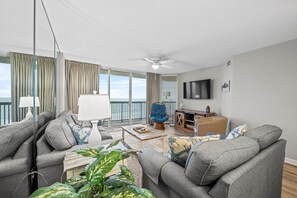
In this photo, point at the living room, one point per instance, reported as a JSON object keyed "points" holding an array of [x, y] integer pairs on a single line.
{"points": [[133, 55]]}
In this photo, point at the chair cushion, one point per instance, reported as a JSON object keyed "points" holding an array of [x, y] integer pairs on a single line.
{"points": [[179, 147], [59, 135], [265, 135], [208, 161], [80, 133], [236, 132]]}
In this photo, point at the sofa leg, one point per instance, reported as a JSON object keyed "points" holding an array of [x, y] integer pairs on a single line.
{"points": [[159, 125]]}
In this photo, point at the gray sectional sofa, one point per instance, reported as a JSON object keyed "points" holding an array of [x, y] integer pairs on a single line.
{"points": [[16, 155], [250, 166], [57, 140]]}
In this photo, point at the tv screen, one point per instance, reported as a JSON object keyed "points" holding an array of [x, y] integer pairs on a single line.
{"points": [[197, 89]]}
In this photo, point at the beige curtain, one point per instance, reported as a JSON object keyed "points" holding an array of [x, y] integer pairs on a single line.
{"points": [[22, 83], [45, 80], [81, 78], [152, 91], [21, 78]]}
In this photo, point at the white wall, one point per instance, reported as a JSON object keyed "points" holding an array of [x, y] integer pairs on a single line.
{"points": [[264, 90], [213, 73]]}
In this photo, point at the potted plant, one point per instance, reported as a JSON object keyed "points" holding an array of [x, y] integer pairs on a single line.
{"points": [[93, 182]]}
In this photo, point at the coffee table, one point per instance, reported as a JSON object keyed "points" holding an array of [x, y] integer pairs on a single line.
{"points": [[74, 163], [143, 137]]}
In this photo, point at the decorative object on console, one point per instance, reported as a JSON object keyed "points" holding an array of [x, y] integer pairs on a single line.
{"points": [[94, 108], [27, 101], [207, 109], [225, 86], [179, 147], [236, 132], [181, 106]]}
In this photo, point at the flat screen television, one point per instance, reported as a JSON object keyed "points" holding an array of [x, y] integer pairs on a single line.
{"points": [[199, 89]]}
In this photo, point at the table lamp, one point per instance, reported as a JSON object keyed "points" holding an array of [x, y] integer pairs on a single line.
{"points": [[27, 101], [94, 108], [166, 94]]}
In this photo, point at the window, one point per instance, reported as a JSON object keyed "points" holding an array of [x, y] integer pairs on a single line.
{"points": [[169, 93], [5, 91], [119, 96], [138, 109], [103, 82]]}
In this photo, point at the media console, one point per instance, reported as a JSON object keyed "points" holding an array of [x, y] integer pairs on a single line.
{"points": [[185, 119]]}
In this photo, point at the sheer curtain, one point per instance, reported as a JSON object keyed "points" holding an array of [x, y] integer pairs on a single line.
{"points": [[22, 82], [152, 91], [81, 78]]}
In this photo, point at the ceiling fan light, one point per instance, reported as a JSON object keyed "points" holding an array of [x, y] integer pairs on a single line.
{"points": [[155, 66]]}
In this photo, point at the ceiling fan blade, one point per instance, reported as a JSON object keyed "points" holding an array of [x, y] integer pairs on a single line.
{"points": [[168, 61], [167, 66], [148, 60]]}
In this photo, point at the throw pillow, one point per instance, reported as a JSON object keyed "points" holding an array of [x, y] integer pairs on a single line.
{"points": [[236, 132], [80, 133], [179, 147], [80, 123]]}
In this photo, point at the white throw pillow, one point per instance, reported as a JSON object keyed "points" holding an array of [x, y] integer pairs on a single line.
{"points": [[236, 132]]}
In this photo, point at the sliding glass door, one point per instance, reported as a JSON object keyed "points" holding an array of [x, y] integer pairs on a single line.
{"points": [[127, 93], [169, 94], [138, 109]]}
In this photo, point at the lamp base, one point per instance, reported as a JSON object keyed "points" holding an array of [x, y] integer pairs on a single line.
{"points": [[95, 136], [29, 114]]}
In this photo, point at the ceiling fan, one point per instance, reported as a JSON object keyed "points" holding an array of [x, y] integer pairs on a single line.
{"points": [[158, 62]]}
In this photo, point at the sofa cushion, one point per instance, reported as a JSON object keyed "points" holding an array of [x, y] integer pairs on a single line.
{"points": [[59, 135], [208, 161], [13, 136], [179, 147], [80, 133], [236, 132], [265, 135], [64, 114]]}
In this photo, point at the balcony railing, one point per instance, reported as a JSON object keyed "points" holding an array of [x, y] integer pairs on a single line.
{"points": [[119, 111], [5, 113]]}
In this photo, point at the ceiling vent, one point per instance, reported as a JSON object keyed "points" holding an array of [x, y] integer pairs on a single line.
{"points": [[228, 63]]}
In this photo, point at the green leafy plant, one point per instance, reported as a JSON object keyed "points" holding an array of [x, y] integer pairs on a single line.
{"points": [[93, 182]]}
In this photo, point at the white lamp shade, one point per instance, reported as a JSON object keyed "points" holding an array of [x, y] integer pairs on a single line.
{"points": [[166, 93], [93, 107], [28, 101]]}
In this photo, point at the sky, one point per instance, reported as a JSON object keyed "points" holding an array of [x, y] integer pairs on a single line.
{"points": [[119, 87], [5, 80]]}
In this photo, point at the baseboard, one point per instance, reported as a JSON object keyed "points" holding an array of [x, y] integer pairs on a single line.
{"points": [[291, 161]]}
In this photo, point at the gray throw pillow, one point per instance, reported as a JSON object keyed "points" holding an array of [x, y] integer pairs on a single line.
{"points": [[208, 161], [59, 135]]}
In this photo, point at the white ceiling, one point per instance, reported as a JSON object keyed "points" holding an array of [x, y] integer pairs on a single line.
{"points": [[118, 34]]}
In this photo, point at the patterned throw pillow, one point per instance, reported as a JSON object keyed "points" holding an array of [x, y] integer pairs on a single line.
{"points": [[80, 123], [236, 132], [80, 133], [179, 147]]}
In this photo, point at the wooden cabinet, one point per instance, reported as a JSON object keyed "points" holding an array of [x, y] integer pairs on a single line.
{"points": [[185, 119]]}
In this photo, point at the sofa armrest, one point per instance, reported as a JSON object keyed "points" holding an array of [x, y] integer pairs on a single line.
{"points": [[25, 150], [171, 174], [9, 166]]}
